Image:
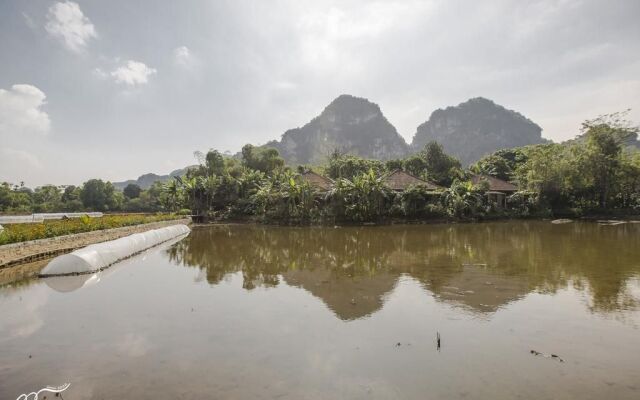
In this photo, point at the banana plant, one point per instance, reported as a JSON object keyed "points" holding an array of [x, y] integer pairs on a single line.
{"points": [[462, 200]]}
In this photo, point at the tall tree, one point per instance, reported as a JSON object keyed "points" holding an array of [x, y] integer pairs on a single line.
{"points": [[47, 198], [605, 138], [99, 195], [215, 163], [132, 191], [441, 167], [263, 159]]}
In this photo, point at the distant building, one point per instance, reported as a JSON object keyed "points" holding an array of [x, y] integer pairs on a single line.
{"points": [[399, 181], [498, 189], [317, 181]]}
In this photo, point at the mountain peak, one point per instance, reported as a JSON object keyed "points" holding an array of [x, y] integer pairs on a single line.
{"points": [[479, 101], [347, 102], [351, 110], [475, 128], [351, 124]]}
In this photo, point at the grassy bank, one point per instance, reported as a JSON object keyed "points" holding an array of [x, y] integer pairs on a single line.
{"points": [[15, 233]]}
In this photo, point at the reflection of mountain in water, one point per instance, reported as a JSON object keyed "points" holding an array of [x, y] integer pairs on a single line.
{"points": [[479, 266], [350, 298], [478, 288]]}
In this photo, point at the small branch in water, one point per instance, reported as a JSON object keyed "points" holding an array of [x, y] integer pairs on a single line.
{"points": [[537, 353], [438, 340]]}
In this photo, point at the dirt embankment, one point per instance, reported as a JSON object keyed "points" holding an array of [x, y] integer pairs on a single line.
{"points": [[35, 250]]}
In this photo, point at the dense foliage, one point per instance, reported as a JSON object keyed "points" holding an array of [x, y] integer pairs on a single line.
{"points": [[594, 174], [93, 195]]}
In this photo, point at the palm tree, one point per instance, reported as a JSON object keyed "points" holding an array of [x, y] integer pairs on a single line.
{"points": [[173, 191], [210, 184], [190, 185]]}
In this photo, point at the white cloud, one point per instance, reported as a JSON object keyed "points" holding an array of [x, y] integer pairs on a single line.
{"points": [[182, 56], [66, 22], [328, 34], [133, 73], [21, 111], [100, 73]]}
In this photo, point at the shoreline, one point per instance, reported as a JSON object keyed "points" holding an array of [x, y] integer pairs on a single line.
{"points": [[22, 253], [635, 218]]}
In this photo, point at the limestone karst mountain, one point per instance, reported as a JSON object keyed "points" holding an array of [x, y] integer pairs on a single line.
{"points": [[350, 124], [476, 128], [356, 126]]}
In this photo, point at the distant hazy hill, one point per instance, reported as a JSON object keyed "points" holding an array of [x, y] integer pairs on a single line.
{"points": [[145, 181], [351, 124], [475, 128]]}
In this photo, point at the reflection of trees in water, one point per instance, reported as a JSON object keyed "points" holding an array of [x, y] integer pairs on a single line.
{"points": [[603, 257], [483, 266], [21, 275]]}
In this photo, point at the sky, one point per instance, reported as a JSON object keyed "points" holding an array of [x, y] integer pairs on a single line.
{"points": [[114, 89]]}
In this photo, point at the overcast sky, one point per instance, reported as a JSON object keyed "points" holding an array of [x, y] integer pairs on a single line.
{"points": [[114, 89]]}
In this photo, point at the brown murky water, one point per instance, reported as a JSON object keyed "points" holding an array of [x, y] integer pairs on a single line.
{"points": [[243, 312]]}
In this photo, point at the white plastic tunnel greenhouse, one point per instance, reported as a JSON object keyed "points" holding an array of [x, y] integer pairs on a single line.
{"points": [[95, 257]]}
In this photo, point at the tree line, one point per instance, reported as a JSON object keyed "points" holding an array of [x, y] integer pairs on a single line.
{"points": [[93, 195], [595, 174]]}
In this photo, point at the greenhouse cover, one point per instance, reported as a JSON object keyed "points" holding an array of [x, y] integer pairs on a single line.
{"points": [[98, 256]]}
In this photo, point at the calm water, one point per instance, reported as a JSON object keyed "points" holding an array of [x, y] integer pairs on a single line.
{"points": [[243, 312]]}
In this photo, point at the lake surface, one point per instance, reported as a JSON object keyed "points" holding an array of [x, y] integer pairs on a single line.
{"points": [[244, 312]]}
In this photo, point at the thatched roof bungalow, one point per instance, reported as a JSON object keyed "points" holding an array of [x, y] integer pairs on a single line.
{"points": [[317, 181], [498, 189], [399, 181], [495, 184]]}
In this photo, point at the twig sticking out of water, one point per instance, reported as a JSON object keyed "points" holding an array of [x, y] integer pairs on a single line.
{"points": [[438, 340], [537, 353]]}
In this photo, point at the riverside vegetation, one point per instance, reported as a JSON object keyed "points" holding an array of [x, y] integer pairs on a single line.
{"points": [[595, 174]]}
